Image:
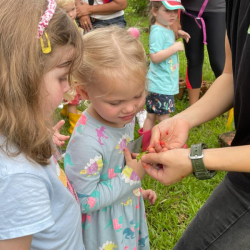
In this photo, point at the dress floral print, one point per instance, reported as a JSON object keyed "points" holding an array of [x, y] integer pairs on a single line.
{"points": [[109, 191]]}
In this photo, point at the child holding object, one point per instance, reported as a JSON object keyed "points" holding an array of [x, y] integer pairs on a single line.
{"points": [[70, 106], [163, 72], [112, 77], [39, 49]]}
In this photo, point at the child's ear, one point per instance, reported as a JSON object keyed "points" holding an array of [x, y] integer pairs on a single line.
{"points": [[82, 92], [154, 12]]}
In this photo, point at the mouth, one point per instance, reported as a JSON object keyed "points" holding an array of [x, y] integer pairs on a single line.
{"points": [[127, 117]]}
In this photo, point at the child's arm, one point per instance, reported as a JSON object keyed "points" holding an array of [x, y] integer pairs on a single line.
{"points": [[83, 165], [184, 35], [58, 138], [150, 195], [162, 55]]}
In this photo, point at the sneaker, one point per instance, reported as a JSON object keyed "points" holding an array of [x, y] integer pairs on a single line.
{"points": [[141, 117]]}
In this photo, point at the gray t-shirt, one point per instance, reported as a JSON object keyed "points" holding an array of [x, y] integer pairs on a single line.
{"points": [[212, 5], [36, 200]]}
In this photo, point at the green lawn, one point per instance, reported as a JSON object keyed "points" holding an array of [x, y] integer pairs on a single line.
{"points": [[177, 204]]}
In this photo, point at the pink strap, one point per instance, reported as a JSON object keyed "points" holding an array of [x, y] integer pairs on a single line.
{"points": [[202, 20], [47, 16], [203, 8]]}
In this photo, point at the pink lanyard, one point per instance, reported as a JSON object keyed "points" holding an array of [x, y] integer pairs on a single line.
{"points": [[202, 20]]}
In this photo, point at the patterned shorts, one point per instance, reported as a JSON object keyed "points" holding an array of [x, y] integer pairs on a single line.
{"points": [[160, 104]]}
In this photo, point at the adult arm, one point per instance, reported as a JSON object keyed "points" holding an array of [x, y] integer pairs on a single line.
{"points": [[217, 100], [22, 243], [101, 9]]}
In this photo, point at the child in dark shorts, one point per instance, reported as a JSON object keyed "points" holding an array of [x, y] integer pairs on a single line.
{"points": [[163, 74]]}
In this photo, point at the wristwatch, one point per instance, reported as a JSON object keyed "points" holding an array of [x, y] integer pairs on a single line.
{"points": [[196, 157]]}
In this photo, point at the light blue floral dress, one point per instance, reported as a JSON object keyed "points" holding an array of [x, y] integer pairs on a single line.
{"points": [[109, 191]]}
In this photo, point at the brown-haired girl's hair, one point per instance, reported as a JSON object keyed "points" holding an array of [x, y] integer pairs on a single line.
{"points": [[22, 66], [156, 5], [112, 53]]}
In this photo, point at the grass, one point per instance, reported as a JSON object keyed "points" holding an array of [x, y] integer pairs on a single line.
{"points": [[177, 204]]}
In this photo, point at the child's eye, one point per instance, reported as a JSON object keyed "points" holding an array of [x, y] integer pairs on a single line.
{"points": [[138, 96], [115, 103], [62, 79]]}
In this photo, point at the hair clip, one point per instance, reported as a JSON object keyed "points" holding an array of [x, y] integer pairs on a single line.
{"points": [[45, 50]]}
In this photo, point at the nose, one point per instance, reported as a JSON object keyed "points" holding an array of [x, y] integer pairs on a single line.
{"points": [[130, 108]]}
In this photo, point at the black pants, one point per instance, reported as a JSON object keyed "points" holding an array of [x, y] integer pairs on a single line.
{"points": [[194, 49]]}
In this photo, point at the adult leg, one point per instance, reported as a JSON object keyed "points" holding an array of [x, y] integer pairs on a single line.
{"points": [[216, 31], [222, 223], [194, 50]]}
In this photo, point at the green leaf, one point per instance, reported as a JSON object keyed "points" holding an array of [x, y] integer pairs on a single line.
{"points": [[138, 157]]}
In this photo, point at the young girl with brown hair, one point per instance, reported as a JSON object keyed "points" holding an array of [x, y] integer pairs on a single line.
{"points": [[40, 47]]}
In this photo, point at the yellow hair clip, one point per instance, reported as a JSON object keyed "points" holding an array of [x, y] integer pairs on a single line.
{"points": [[46, 50]]}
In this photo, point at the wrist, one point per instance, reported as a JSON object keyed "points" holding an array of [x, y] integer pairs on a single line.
{"points": [[199, 169]]}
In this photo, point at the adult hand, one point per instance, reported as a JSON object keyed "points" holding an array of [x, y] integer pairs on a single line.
{"points": [[175, 165], [58, 138], [169, 134], [184, 35], [86, 23], [83, 10], [136, 166], [175, 27]]}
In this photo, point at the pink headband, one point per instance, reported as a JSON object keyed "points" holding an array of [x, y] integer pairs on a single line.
{"points": [[48, 14]]}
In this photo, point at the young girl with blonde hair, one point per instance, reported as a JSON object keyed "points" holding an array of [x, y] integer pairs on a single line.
{"points": [[112, 76], [39, 49]]}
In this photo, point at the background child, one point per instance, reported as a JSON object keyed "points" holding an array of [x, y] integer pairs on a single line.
{"points": [[163, 73], [37, 210], [112, 77], [70, 109]]}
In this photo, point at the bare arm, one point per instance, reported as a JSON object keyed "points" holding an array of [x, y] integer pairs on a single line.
{"points": [[22, 243], [162, 55], [219, 97], [102, 9]]}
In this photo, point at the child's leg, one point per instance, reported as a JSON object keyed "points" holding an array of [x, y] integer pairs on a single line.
{"points": [[149, 122], [163, 117]]}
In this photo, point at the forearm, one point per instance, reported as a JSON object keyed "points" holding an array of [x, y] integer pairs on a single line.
{"points": [[162, 55], [217, 100], [228, 159]]}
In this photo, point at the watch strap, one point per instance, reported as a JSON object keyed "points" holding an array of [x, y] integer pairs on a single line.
{"points": [[196, 156]]}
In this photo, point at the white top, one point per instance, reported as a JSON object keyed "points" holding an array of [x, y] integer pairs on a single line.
{"points": [[104, 17], [34, 201]]}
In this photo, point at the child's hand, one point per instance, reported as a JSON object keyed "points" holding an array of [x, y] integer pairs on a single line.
{"points": [[150, 195], [58, 138], [136, 166], [179, 46], [184, 35]]}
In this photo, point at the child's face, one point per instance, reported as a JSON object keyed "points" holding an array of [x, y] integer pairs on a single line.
{"points": [[165, 17], [70, 9], [56, 80], [118, 106]]}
